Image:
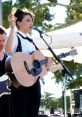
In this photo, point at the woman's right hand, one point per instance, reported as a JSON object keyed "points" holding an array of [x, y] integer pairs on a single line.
{"points": [[13, 22], [9, 43]]}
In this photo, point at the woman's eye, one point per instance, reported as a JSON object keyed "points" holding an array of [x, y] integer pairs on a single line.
{"points": [[28, 20]]}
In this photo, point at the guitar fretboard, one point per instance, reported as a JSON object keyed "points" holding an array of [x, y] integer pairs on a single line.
{"points": [[62, 55]]}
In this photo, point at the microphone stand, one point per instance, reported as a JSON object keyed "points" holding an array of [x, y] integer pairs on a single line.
{"points": [[65, 70]]}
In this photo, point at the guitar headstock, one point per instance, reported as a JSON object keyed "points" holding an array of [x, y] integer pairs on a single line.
{"points": [[73, 52]]}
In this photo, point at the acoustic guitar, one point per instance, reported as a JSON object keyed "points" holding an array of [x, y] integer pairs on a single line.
{"points": [[24, 69]]}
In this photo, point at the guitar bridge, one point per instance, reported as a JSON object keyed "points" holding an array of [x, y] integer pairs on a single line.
{"points": [[26, 66]]}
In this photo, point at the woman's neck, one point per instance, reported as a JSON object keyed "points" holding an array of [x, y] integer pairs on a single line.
{"points": [[23, 31]]}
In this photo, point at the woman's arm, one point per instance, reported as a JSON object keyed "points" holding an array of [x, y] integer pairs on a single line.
{"points": [[9, 43]]}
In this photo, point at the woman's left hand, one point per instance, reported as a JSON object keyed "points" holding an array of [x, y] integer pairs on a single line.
{"points": [[49, 63], [52, 66]]}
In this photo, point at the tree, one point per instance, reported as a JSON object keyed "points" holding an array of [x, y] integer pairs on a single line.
{"points": [[76, 71], [6, 6], [74, 11], [42, 14], [40, 10], [49, 101]]}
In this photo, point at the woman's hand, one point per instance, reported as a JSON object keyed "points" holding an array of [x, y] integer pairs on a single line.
{"points": [[52, 66], [49, 63], [13, 22]]}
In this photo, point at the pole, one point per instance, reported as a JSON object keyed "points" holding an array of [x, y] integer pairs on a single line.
{"points": [[0, 12], [65, 104]]}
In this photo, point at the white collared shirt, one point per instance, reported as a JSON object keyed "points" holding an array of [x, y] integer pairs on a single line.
{"points": [[27, 46]]}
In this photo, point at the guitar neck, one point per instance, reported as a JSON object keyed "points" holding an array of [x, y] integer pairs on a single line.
{"points": [[62, 55], [42, 62]]}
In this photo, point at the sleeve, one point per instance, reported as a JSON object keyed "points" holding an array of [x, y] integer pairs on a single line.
{"points": [[15, 44], [8, 31]]}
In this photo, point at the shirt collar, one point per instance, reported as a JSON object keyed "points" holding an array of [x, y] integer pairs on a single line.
{"points": [[23, 34]]}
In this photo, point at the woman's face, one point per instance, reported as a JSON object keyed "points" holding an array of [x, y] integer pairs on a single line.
{"points": [[26, 24], [2, 41]]}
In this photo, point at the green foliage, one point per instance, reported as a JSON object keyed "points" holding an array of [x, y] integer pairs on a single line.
{"points": [[74, 11], [42, 14], [49, 101], [6, 6], [75, 70], [75, 83], [54, 1], [41, 11], [23, 3]]}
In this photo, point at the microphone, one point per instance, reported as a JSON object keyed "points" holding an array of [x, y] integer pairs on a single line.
{"points": [[35, 28]]}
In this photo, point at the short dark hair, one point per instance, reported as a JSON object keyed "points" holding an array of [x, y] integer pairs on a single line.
{"points": [[2, 30], [20, 13]]}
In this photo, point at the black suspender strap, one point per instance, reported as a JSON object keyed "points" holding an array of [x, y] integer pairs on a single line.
{"points": [[19, 47]]}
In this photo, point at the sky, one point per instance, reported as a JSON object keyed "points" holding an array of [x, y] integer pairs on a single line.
{"points": [[50, 85]]}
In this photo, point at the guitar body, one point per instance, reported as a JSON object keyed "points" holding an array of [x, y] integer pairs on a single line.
{"points": [[20, 64]]}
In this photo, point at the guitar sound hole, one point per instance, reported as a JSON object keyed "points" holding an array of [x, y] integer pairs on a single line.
{"points": [[37, 68], [36, 64]]}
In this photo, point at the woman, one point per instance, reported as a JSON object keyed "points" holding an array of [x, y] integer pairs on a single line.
{"points": [[25, 102], [4, 91], [3, 56]]}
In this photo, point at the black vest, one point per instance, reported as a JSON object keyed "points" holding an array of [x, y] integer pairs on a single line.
{"points": [[19, 47], [2, 65]]}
